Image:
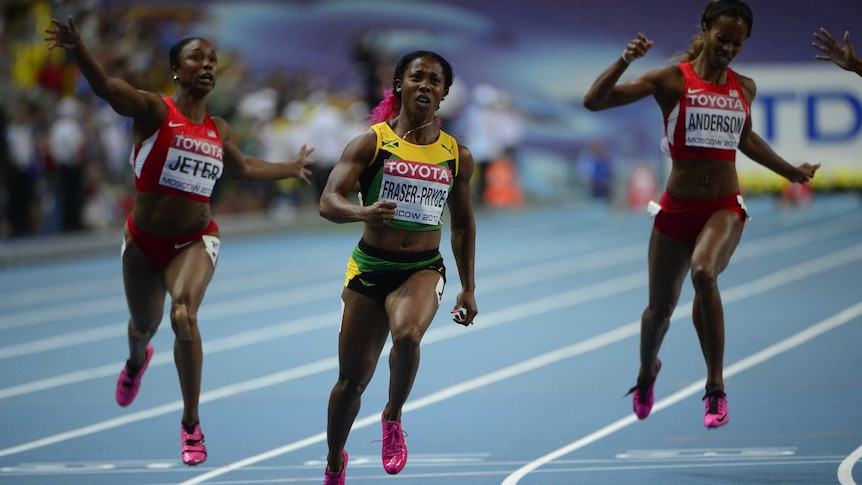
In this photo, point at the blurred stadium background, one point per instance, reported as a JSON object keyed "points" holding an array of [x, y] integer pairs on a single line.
{"points": [[296, 72]]}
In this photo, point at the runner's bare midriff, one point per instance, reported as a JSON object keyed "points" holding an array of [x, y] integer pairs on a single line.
{"points": [[168, 215], [702, 179], [399, 240]]}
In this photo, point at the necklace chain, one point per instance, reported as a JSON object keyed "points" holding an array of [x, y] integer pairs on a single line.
{"points": [[417, 128]]}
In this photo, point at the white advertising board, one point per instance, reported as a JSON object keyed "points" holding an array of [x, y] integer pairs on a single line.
{"points": [[807, 113]]}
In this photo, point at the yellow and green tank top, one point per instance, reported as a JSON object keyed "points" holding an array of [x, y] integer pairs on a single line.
{"points": [[416, 177]]}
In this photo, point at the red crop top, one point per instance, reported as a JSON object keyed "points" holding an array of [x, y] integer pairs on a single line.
{"points": [[180, 158], [707, 121]]}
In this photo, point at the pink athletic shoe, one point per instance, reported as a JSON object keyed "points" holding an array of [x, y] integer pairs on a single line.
{"points": [[394, 451], [194, 451], [127, 387], [336, 478], [643, 400], [715, 415]]}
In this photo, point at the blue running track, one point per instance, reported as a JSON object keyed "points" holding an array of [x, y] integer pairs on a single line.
{"points": [[531, 394]]}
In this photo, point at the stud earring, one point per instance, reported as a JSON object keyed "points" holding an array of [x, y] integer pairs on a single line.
{"points": [[175, 77]]}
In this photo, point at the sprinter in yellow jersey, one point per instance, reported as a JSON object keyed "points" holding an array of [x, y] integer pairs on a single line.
{"points": [[408, 170]]}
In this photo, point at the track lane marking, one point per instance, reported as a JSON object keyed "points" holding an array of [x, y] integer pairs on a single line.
{"points": [[847, 315]]}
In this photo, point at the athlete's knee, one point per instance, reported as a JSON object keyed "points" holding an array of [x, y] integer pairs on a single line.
{"points": [[406, 341], [141, 330], [658, 313], [703, 276], [183, 322], [350, 388]]}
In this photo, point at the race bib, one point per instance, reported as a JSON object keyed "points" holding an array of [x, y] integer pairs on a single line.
{"points": [[713, 120], [419, 189], [193, 165]]}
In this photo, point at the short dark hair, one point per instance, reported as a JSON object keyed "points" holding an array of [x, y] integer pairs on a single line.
{"points": [[174, 54], [408, 58], [727, 8]]}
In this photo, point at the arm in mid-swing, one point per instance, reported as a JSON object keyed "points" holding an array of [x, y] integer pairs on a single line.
{"points": [[463, 238], [334, 204], [607, 92], [756, 148], [146, 108], [239, 166]]}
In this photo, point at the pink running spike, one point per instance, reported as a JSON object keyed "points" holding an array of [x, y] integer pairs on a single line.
{"points": [[336, 478], [194, 451], [394, 451], [642, 402], [715, 413], [127, 387]]}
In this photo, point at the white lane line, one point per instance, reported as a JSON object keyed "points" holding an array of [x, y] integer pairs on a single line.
{"points": [[234, 275], [89, 308], [578, 263], [224, 309], [757, 358], [538, 362], [751, 289], [572, 265], [92, 308], [845, 469], [230, 342], [514, 313], [220, 393], [498, 317]]}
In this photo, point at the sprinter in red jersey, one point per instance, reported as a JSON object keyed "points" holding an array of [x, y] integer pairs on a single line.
{"points": [[700, 217], [171, 241]]}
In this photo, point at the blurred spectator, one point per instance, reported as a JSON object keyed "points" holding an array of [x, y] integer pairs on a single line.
{"points": [[23, 136], [480, 134], [114, 133], [325, 123], [66, 149], [493, 131], [45, 169], [374, 62], [452, 107], [5, 163], [595, 168], [55, 75], [256, 112], [4, 173], [283, 136]]}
